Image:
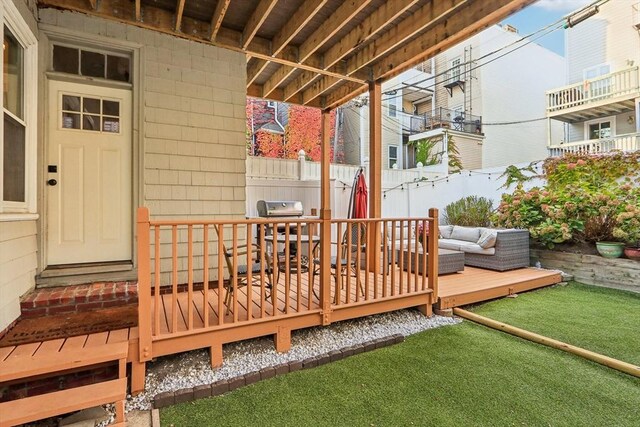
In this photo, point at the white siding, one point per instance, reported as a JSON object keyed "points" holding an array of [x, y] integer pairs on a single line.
{"points": [[18, 261], [607, 37]]}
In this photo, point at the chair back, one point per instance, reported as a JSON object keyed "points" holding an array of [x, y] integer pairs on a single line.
{"points": [[354, 241]]}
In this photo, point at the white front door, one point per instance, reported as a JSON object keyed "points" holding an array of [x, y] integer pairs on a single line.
{"points": [[88, 174]]}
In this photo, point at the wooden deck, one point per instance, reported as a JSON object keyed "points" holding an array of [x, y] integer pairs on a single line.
{"points": [[476, 284]]}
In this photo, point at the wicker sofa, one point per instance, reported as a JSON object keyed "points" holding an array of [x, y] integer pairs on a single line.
{"points": [[493, 249]]}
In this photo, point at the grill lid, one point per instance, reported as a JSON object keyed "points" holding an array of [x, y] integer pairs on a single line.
{"points": [[272, 208]]}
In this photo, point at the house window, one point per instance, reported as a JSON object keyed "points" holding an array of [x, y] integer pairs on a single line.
{"points": [[393, 155], [89, 63], [18, 154], [392, 110], [455, 70], [597, 71], [601, 128]]}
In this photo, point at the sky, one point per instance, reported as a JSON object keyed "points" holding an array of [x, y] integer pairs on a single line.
{"points": [[542, 13]]}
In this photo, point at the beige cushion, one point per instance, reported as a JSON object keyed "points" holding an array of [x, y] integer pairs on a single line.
{"points": [[488, 239], [474, 248], [445, 231], [450, 244], [468, 234]]}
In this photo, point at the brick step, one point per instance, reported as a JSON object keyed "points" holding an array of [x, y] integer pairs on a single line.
{"points": [[78, 298]]}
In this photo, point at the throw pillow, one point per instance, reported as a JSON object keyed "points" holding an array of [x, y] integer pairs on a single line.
{"points": [[488, 239], [445, 231], [468, 234]]}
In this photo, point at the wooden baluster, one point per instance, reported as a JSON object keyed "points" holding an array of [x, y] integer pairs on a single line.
{"points": [[416, 264], [401, 262], [392, 266], [263, 260], [221, 256], [433, 255], [205, 274], [249, 271], [287, 266], [156, 296], [367, 257], [299, 265], [338, 282], [234, 284], [425, 247], [276, 267], [174, 279], [190, 277], [312, 266]]}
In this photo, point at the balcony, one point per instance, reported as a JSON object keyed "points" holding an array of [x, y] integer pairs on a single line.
{"points": [[612, 93], [442, 118], [626, 143]]}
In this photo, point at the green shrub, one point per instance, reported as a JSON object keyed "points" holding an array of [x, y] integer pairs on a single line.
{"points": [[470, 211], [588, 198]]}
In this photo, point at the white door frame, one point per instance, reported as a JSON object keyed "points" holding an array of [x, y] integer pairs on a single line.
{"points": [[62, 35], [610, 119]]}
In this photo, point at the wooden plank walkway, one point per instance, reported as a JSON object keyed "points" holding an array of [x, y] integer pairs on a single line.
{"points": [[476, 284]]}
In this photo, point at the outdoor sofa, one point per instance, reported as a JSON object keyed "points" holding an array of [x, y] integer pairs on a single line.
{"points": [[489, 248]]}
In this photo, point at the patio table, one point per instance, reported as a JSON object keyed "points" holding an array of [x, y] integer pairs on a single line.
{"points": [[448, 261]]}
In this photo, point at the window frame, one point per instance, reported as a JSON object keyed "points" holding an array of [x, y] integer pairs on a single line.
{"points": [[392, 110], [456, 69], [596, 67], [11, 18], [389, 147], [610, 119]]}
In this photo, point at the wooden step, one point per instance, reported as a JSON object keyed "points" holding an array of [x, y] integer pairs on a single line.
{"points": [[61, 402]]}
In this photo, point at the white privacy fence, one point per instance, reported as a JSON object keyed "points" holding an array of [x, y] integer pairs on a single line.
{"points": [[401, 198]]}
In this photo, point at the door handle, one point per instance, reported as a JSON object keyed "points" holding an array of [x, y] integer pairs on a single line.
{"points": [[52, 182]]}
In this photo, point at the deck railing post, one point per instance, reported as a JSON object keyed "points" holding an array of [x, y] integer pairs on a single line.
{"points": [[432, 262], [144, 285]]}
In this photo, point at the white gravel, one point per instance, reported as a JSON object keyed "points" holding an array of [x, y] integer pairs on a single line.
{"points": [[193, 368]]}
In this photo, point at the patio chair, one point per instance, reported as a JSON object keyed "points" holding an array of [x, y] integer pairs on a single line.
{"points": [[258, 264], [345, 265]]}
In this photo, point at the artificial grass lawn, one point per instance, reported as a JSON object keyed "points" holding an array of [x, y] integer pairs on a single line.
{"points": [[603, 320], [456, 375]]}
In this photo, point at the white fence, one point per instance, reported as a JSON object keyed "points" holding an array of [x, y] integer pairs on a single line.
{"points": [[406, 198]]}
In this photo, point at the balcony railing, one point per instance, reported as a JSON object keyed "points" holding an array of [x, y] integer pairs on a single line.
{"points": [[592, 91], [442, 118], [629, 142]]}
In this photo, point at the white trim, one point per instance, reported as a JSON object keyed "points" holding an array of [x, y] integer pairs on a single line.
{"points": [[14, 217], [11, 17], [610, 119]]}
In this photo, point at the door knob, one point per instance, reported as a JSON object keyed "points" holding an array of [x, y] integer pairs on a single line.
{"points": [[52, 182]]}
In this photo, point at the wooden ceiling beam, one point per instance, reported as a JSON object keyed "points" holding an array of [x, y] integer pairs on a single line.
{"points": [[418, 22], [343, 94], [308, 48], [254, 69], [476, 17], [138, 10], [298, 21], [218, 17], [372, 25], [256, 20], [179, 12]]}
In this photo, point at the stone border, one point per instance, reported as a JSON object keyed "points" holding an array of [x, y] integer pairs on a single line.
{"points": [[168, 398]]}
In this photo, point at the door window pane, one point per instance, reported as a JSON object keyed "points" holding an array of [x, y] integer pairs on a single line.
{"points": [[14, 160], [70, 121], [111, 124], [90, 122], [92, 64], [111, 108], [12, 74], [70, 103], [65, 59], [91, 105]]}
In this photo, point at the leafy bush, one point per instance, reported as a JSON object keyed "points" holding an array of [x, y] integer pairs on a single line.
{"points": [[470, 211], [586, 199]]}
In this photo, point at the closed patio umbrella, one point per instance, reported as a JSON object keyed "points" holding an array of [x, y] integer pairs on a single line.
{"points": [[361, 198]]}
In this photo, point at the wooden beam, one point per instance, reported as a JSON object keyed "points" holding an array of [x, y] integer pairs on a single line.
{"points": [[284, 72], [338, 19], [254, 69], [298, 21], [218, 17], [179, 11], [163, 21], [325, 216], [372, 25], [474, 18], [422, 20], [93, 4], [138, 11], [375, 172], [342, 94], [256, 20]]}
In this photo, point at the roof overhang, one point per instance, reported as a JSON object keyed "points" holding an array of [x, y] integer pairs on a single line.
{"points": [[319, 53]]}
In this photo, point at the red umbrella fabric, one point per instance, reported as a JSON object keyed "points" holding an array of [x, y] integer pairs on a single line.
{"points": [[362, 198]]}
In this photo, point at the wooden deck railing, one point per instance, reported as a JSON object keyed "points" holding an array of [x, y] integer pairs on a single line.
{"points": [[199, 276], [625, 143]]}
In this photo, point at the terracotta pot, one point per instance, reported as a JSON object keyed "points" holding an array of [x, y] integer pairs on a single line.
{"points": [[610, 249], [632, 253]]}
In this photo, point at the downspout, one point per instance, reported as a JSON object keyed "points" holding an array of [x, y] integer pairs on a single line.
{"points": [[275, 117]]}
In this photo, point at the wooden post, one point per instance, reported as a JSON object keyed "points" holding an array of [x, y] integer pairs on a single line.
{"points": [[325, 217], [432, 262], [375, 174], [144, 285]]}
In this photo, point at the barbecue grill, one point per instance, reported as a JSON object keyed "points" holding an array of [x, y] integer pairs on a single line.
{"points": [[279, 209]]}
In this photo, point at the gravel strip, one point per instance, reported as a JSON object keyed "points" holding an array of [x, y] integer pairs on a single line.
{"points": [[193, 368]]}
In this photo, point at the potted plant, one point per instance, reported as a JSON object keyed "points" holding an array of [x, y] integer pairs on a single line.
{"points": [[628, 229], [610, 249], [420, 232]]}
